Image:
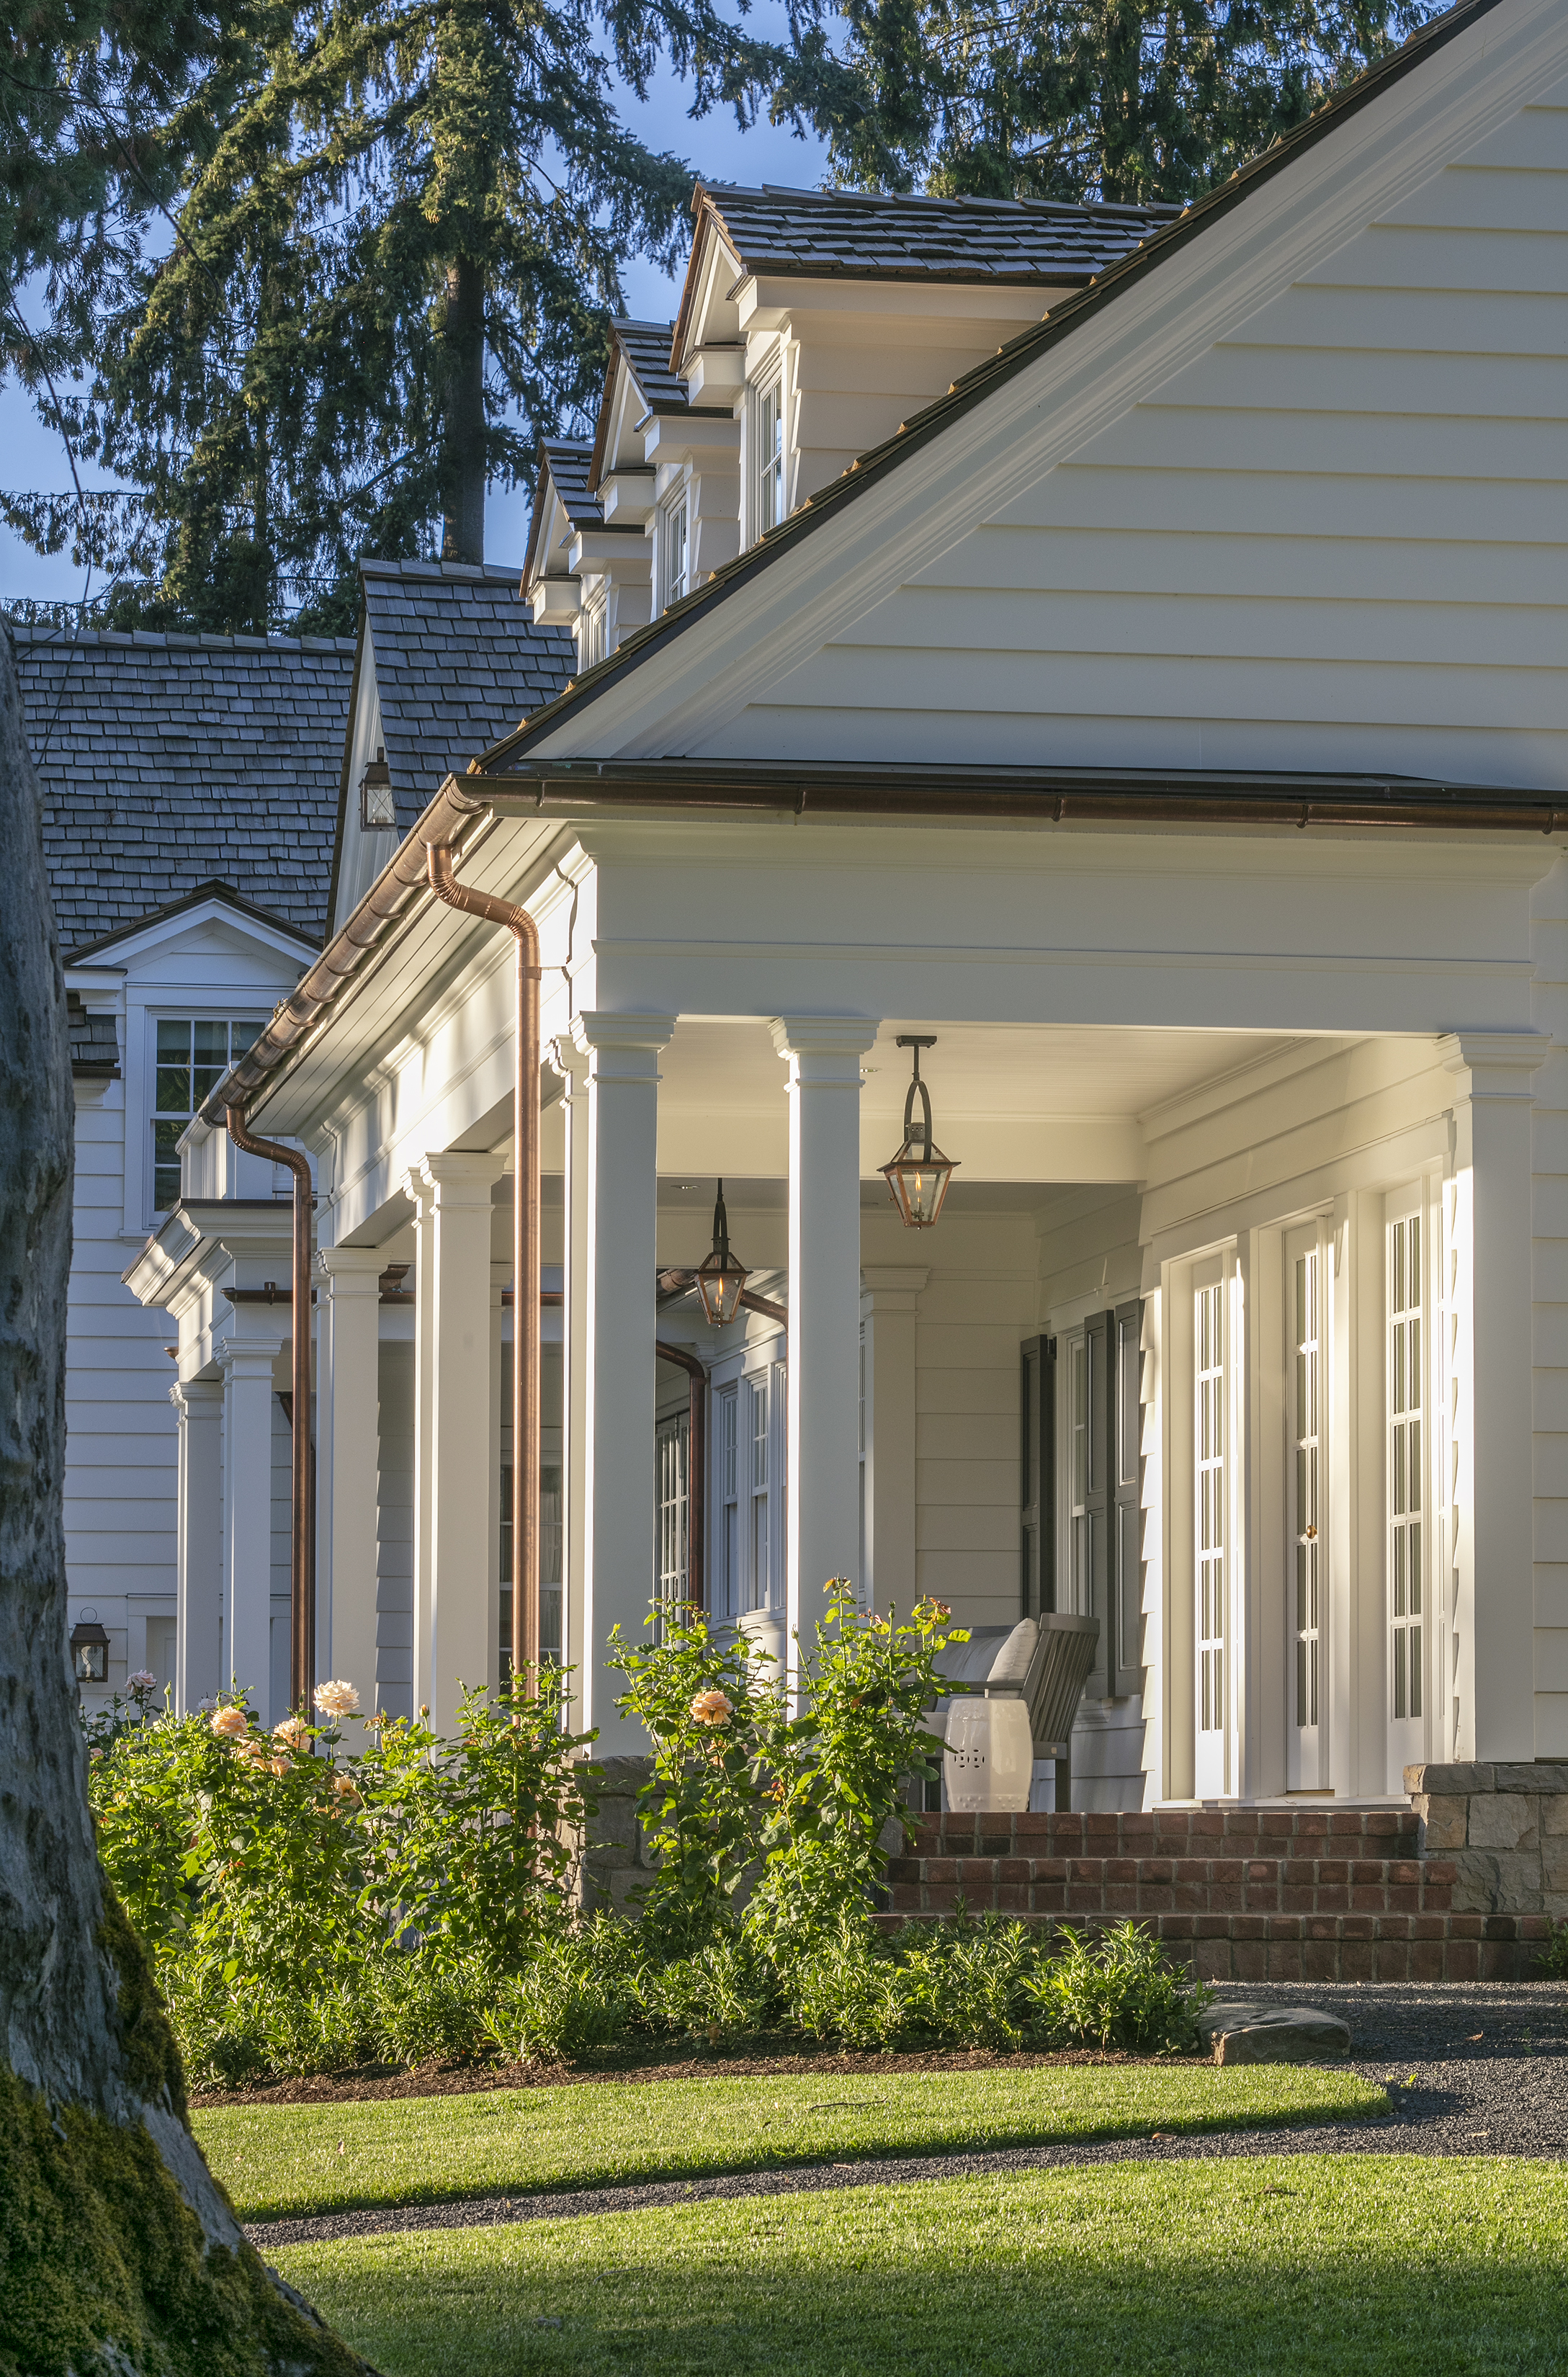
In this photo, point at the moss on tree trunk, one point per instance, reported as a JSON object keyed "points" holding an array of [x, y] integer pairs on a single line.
{"points": [[119, 2253]]}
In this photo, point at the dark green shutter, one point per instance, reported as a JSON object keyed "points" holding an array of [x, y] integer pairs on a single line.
{"points": [[1038, 1400], [1126, 1602]]}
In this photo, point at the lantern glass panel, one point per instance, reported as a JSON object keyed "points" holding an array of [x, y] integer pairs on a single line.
{"points": [[719, 1283]]}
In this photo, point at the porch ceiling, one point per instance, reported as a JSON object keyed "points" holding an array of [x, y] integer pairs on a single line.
{"points": [[1010, 1102]]}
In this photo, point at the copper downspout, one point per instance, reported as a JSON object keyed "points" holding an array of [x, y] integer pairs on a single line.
{"points": [[525, 1253], [302, 1546], [695, 1470]]}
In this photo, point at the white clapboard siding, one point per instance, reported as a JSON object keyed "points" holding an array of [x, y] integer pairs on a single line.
{"points": [[120, 1439], [1548, 1229]]}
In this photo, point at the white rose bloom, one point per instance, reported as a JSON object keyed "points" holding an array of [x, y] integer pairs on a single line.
{"points": [[337, 1699]]}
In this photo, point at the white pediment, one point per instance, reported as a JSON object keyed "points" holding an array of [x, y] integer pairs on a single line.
{"points": [[1297, 499]]}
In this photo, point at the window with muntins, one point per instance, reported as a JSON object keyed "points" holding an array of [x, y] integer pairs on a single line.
{"points": [[1209, 1501], [1306, 1428], [672, 1453], [1405, 1399], [729, 1503], [759, 1546], [768, 482], [192, 1055], [673, 563]]}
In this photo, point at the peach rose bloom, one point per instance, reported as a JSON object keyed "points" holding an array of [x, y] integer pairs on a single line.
{"points": [[293, 1733], [712, 1707], [337, 1699], [228, 1722]]}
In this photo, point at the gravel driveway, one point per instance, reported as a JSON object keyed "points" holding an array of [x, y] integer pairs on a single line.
{"points": [[1481, 2068]]}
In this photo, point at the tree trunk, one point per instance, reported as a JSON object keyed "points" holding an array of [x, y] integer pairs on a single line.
{"points": [[118, 2250], [462, 466]]}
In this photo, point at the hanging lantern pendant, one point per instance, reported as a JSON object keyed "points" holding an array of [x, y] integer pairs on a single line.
{"points": [[719, 1278], [917, 1177]]}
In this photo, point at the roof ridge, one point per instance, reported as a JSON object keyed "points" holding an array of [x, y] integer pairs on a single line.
{"points": [[33, 631]]}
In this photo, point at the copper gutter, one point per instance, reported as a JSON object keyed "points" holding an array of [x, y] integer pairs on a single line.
{"points": [[302, 1545], [695, 1470], [525, 1250]]}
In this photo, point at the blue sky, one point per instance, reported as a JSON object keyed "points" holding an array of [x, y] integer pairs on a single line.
{"points": [[717, 148]]}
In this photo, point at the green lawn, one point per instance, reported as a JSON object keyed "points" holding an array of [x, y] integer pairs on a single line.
{"points": [[1341, 2264], [281, 2160]]}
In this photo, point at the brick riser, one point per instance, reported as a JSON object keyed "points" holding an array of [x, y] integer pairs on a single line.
{"points": [[1240, 1894]]}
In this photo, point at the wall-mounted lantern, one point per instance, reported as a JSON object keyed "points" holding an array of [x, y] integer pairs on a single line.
{"points": [[719, 1279], [377, 810], [89, 1649], [919, 1173]]}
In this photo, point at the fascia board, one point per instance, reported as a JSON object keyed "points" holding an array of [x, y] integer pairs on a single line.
{"points": [[680, 696], [417, 975], [835, 306]]}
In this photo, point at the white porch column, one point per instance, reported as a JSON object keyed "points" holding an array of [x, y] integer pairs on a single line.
{"points": [[249, 1387], [452, 1557], [198, 1543], [887, 1299], [1493, 1623], [822, 1483], [571, 1063], [618, 1332], [346, 1462]]}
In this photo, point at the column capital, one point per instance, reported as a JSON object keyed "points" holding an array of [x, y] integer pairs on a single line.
{"points": [[565, 1057], [454, 1177], [351, 1270], [622, 1048], [826, 1048], [892, 1287], [250, 1357], [1501, 1064], [192, 1395]]}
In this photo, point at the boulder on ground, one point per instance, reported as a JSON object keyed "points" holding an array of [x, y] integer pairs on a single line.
{"points": [[1257, 2034]]}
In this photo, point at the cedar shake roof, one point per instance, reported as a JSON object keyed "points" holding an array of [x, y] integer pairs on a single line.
{"points": [[569, 458], [864, 235], [168, 762], [646, 346], [459, 661]]}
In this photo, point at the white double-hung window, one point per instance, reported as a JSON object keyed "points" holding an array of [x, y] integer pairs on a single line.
{"points": [[1406, 1366], [768, 456], [191, 1057], [674, 551], [1211, 1515]]}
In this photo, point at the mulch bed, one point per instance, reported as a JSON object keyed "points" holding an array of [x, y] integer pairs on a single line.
{"points": [[436, 2079]]}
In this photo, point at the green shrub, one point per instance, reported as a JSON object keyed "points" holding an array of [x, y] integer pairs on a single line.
{"points": [[1118, 1991]]}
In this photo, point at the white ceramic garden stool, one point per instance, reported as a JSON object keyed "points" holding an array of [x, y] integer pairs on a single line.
{"points": [[990, 1761]]}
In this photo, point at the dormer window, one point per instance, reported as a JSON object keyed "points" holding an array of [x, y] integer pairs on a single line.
{"points": [[377, 810], [768, 478], [673, 548]]}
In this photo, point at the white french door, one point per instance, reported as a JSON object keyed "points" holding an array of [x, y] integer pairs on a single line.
{"points": [[1306, 1495], [1211, 1528], [1408, 1452]]}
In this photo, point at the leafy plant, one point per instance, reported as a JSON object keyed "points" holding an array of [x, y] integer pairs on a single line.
{"points": [[840, 1769], [711, 1710], [1119, 1991]]}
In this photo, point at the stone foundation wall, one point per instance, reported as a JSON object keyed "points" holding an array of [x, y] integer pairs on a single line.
{"points": [[1502, 1830], [615, 1859]]}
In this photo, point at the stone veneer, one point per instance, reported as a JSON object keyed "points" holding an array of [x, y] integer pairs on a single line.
{"points": [[1502, 1830]]}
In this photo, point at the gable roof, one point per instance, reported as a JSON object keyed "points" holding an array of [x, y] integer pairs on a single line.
{"points": [[165, 762], [203, 894], [1081, 306], [570, 459], [643, 350], [458, 662]]}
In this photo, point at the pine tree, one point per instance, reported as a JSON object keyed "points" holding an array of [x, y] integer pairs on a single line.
{"points": [[393, 274], [1121, 100]]}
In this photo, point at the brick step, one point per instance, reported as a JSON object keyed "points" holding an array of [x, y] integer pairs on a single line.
{"points": [[1227, 1884], [1170, 1832], [1301, 1949]]}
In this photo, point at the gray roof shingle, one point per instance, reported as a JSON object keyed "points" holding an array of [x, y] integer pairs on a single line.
{"points": [[167, 762], [864, 234], [570, 459], [458, 663], [646, 346]]}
